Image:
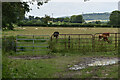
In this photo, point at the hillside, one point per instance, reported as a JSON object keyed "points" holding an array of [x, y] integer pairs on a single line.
{"points": [[96, 16]]}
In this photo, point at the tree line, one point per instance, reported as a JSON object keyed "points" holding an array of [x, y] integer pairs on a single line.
{"points": [[46, 19]]}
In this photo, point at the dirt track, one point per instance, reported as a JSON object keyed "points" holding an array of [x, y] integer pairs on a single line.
{"points": [[32, 57]]}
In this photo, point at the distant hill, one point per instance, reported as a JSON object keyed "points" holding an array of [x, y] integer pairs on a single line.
{"points": [[96, 16]]}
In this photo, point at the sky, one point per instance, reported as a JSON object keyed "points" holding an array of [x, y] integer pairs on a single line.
{"points": [[83, 0], [61, 8]]}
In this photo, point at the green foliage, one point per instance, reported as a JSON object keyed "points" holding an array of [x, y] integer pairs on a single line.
{"points": [[59, 19], [98, 22], [27, 68], [79, 19], [115, 18], [13, 12], [31, 17], [8, 44], [76, 19], [73, 19], [31, 23], [61, 24], [46, 19], [66, 19]]}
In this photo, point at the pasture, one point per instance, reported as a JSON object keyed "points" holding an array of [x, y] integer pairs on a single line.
{"points": [[62, 30], [47, 64]]}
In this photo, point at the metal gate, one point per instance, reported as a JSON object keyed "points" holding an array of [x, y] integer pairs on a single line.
{"points": [[81, 42], [85, 42], [32, 43], [101, 45]]}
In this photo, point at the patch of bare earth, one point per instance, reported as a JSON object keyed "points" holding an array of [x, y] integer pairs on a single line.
{"points": [[84, 61], [32, 57]]}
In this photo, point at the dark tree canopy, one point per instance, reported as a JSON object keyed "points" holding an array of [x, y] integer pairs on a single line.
{"points": [[76, 19], [15, 11], [46, 19], [115, 18]]}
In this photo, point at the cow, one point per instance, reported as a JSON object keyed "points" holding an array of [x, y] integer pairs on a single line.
{"points": [[104, 36], [56, 34]]}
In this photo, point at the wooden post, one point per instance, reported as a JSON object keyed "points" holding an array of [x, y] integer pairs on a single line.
{"points": [[16, 43], [33, 42], [79, 41], [68, 42], [65, 41], [93, 43], [51, 38], [115, 40]]}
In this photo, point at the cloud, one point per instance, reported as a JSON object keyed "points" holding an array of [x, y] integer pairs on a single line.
{"points": [[83, 0]]}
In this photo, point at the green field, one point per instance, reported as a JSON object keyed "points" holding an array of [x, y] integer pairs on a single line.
{"points": [[56, 64], [62, 30]]}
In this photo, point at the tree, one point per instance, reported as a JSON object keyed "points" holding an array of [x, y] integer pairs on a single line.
{"points": [[98, 22], [79, 19], [37, 18], [46, 19], [66, 19], [12, 12], [115, 18], [76, 19], [59, 19], [73, 18], [31, 17]]}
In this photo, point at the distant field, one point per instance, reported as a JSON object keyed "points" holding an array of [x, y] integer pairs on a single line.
{"points": [[96, 20], [62, 30]]}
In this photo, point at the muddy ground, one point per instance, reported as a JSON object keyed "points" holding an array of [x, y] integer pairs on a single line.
{"points": [[32, 57], [67, 72]]}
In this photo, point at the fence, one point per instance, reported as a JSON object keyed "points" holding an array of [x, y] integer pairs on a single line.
{"points": [[105, 46], [81, 42], [85, 42], [32, 42]]}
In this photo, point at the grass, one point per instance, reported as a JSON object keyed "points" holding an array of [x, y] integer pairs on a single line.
{"points": [[62, 30], [56, 67], [29, 69], [0, 63]]}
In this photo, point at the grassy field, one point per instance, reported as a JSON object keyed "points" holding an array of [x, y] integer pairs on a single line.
{"points": [[0, 63], [51, 30], [57, 65]]}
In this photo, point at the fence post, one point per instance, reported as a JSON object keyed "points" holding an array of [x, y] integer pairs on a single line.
{"points": [[79, 41], [93, 43], [69, 42], [51, 38], [16, 43], [65, 41], [33, 42], [115, 40]]}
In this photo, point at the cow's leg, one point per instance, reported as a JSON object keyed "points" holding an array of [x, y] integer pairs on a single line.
{"points": [[106, 39], [100, 37]]}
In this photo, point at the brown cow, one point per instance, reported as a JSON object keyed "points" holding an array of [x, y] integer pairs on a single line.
{"points": [[104, 36]]}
